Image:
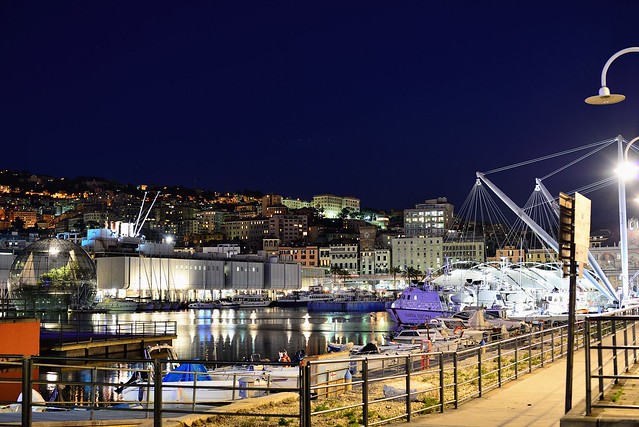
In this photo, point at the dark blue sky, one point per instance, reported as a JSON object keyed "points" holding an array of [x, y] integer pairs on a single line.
{"points": [[391, 102]]}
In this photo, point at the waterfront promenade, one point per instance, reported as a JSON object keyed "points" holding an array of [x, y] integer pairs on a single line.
{"points": [[535, 399]]}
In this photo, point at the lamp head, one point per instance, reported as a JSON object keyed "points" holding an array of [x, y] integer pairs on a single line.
{"points": [[605, 97]]}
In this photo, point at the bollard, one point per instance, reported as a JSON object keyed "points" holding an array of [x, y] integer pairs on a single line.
{"points": [[348, 380]]}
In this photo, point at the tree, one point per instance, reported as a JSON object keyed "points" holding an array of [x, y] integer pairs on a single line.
{"points": [[412, 274], [18, 223], [395, 271], [339, 272], [344, 213]]}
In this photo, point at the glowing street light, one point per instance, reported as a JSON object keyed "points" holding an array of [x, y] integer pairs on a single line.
{"points": [[628, 170], [606, 98]]}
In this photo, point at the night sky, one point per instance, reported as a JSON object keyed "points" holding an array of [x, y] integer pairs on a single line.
{"points": [[391, 102]]}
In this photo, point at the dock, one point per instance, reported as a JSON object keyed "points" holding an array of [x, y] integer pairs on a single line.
{"points": [[102, 340]]}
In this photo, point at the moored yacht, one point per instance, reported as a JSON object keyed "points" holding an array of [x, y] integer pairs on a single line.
{"points": [[302, 298], [250, 300], [418, 304]]}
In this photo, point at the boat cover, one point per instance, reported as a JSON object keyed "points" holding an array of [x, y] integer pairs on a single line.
{"points": [[187, 372]]}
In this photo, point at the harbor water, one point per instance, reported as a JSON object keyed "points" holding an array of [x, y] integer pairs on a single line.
{"points": [[234, 334]]}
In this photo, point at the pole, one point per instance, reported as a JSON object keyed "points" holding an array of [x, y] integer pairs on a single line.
{"points": [[567, 254], [572, 301], [623, 226]]}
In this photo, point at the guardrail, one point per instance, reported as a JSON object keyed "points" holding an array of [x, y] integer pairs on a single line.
{"points": [[88, 331], [368, 390], [387, 388], [613, 337]]}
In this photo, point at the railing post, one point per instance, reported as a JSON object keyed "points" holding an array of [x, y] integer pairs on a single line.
{"points": [[615, 365], [552, 344], [530, 346], [516, 358], [26, 391], [499, 363], [307, 395], [543, 338], [440, 364], [479, 351], [408, 365], [157, 393], [634, 341], [94, 380], [588, 374], [600, 357], [456, 388], [365, 391], [625, 344]]}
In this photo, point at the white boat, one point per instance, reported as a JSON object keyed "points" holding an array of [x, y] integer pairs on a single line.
{"points": [[202, 305], [302, 298], [113, 305], [187, 383], [392, 348], [250, 300], [417, 305], [429, 337], [489, 319], [381, 357]]}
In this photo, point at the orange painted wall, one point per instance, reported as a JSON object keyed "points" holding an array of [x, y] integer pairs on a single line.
{"points": [[17, 337], [20, 336]]}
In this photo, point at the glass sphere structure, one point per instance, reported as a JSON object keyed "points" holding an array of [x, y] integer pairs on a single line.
{"points": [[52, 274]]}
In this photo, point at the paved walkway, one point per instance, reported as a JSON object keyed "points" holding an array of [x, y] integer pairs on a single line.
{"points": [[535, 399]]}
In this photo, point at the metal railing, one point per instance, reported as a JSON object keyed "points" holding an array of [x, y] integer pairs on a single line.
{"points": [[396, 387], [89, 331], [369, 390], [613, 342]]}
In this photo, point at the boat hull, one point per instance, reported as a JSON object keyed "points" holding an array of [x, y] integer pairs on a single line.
{"points": [[414, 316], [360, 306]]}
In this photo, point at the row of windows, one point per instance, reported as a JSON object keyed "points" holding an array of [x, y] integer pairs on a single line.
{"points": [[198, 267], [425, 213]]}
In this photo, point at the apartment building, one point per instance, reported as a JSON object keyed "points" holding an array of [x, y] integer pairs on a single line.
{"points": [[431, 218], [288, 228], [333, 205], [306, 256]]}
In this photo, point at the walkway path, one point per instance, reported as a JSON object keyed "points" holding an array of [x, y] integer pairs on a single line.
{"points": [[535, 399]]}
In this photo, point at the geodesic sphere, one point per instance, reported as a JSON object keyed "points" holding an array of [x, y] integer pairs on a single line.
{"points": [[52, 274]]}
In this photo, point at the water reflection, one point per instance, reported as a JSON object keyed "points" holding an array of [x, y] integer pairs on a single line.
{"points": [[233, 334]]}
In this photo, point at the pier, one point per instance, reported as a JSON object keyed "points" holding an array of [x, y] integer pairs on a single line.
{"points": [[104, 339]]}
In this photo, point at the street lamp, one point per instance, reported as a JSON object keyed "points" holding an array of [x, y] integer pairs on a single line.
{"points": [[606, 98]]}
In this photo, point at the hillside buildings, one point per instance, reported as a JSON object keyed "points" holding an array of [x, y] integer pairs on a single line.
{"points": [[322, 236]]}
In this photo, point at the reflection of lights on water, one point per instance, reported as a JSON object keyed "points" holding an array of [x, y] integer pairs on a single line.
{"points": [[307, 337], [253, 335]]}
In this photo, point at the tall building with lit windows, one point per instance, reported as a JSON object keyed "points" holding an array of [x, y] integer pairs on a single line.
{"points": [[333, 205], [431, 218]]}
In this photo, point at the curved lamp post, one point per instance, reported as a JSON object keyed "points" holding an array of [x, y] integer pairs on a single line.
{"points": [[606, 98]]}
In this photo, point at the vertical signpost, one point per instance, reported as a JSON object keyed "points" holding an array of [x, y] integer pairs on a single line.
{"points": [[574, 241]]}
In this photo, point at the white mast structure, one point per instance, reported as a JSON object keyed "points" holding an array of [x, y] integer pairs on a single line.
{"points": [[138, 224], [608, 291]]}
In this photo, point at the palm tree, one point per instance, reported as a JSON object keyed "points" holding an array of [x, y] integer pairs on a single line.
{"points": [[335, 272], [412, 273], [395, 271]]}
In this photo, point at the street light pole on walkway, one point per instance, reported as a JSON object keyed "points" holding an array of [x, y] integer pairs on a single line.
{"points": [[606, 98]]}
